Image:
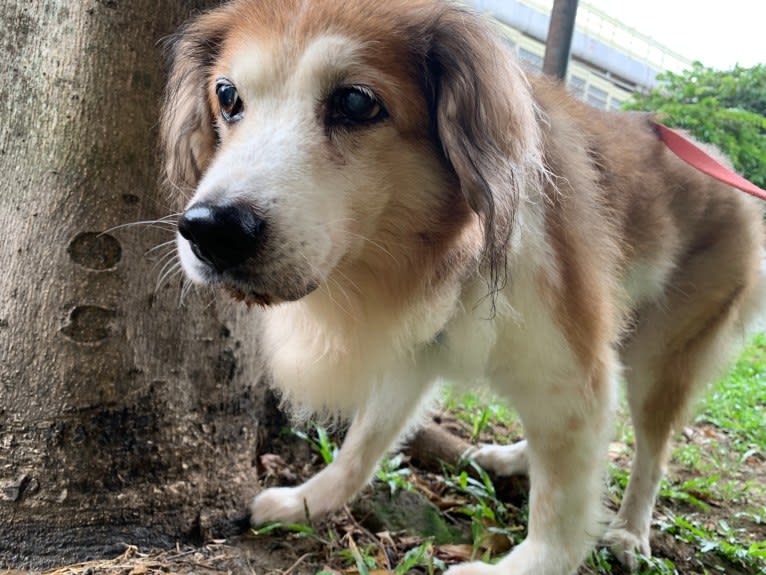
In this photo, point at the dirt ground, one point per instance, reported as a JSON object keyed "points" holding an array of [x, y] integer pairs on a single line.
{"points": [[334, 545]]}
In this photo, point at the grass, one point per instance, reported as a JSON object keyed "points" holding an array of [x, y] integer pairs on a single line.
{"points": [[737, 405]]}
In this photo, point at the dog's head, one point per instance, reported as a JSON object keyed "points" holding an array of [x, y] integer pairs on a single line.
{"points": [[311, 135]]}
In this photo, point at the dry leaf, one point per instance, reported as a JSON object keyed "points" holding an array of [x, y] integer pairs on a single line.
{"points": [[454, 553]]}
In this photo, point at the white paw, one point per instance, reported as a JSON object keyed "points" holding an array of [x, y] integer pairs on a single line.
{"points": [[283, 504], [504, 460], [627, 546], [472, 568]]}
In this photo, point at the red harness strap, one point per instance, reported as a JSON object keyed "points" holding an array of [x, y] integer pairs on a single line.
{"points": [[693, 155]]}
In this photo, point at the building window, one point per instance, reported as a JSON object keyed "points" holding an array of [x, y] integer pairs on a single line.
{"points": [[535, 62], [597, 97], [577, 86]]}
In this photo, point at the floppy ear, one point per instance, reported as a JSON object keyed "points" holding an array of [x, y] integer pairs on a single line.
{"points": [[187, 133], [484, 116]]}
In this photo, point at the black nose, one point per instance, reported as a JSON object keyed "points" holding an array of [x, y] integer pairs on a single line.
{"points": [[222, 236]]}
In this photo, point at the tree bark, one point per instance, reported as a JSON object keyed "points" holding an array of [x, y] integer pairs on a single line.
{"points": [[123, 416]]}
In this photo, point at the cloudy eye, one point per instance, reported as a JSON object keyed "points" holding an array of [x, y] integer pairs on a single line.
{"points": [[355, 105], [229, 101]]}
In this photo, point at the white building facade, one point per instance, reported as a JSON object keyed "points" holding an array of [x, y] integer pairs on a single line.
{"points": [[610, 60]]}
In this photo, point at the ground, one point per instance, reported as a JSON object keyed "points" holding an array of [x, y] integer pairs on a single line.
{"points": [[710, 517]]}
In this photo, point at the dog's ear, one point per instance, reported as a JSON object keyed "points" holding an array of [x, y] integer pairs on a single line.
{"points": [[187, 133], [484, 116]]}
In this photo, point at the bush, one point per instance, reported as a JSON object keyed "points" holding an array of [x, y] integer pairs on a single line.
{"points": [[724, 108]]}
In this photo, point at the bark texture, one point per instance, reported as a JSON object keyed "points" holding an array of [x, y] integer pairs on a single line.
{"points": [[123, 416]]}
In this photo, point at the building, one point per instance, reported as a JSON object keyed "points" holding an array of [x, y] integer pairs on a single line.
{"points": [[610, 60]]}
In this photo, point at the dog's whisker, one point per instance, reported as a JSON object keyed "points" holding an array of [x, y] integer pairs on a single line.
{"points": [[351, 282], [337, 284], [170, 217], [213, 299], [160, 246], [186, 289], [158, 224], [327, 287], [377, 245], [164, 259], [171, 267], [167, 276]]}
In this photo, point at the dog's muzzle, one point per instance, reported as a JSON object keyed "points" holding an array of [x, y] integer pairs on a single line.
{"points": [[223, 237]]}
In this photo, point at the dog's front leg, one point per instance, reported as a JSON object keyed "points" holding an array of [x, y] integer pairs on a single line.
{"points": [[566, 415], [374, 430]]}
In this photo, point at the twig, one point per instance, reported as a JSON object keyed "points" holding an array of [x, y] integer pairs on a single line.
{"points": [[369, 534], [295, 565]]}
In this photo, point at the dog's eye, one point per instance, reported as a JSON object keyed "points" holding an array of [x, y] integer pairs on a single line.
{"points": [[355, 105], [230, 102]]}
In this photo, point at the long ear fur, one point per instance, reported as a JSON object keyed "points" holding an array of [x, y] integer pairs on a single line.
{"points": [[187, 133], [486, 120]]}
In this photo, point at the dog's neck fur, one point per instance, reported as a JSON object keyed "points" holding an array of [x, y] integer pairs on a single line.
{"points": [[372, 308]]}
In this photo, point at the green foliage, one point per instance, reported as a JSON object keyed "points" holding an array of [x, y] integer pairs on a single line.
{"points": [[482, 411], [322, 443], [393, 473], [420, 556], [488, 515], [720, 539], [724, 108], [738, 402]]}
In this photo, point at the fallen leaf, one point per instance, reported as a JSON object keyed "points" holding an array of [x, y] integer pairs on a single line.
{"points": [[454, 553]]}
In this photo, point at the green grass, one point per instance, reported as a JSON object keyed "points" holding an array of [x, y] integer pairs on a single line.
{"points": [[737, 404], [482, 412]]}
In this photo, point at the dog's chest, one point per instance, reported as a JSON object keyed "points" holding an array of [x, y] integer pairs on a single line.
{"points": [[518, 341]]}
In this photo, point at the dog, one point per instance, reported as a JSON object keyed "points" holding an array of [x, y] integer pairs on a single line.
{"points": [[407, 205]]}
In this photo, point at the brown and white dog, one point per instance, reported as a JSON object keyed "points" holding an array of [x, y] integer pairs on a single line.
{"points": [[408, 206]]}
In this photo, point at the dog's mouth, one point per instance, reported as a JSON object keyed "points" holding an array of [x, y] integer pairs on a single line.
{"points": [[261, 282], [250, 298]]}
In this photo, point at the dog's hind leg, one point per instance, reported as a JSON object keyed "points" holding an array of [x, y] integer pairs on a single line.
{"points": [[680, 344], [374, 430]]}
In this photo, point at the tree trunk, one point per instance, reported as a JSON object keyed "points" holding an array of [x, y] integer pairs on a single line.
{"points": [[124, 417]]}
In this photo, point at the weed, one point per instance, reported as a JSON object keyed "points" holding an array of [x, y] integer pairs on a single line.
{"points": [[490, 518], [482, 412], [321, 443], [719, 539], [394, 474], [420, 557], [299, 530]]}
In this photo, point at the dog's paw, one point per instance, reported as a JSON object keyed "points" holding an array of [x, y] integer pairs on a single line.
{"points": [[472, 568], [627, 546], [503, 460], [283, 504]]}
